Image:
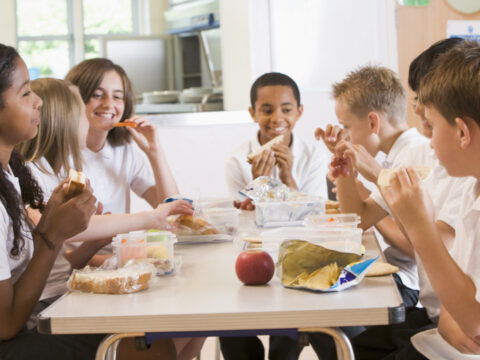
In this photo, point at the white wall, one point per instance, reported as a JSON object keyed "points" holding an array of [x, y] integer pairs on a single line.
{"points": [[7, 23]]}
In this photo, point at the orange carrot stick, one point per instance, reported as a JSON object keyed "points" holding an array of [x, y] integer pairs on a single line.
{"points": [[122, 124]]}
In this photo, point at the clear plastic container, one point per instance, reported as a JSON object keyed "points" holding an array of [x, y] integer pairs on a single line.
{"points": [[333, 220], [339, 239], [287, 213], [225, 220], [129, 246], [160, 250]]}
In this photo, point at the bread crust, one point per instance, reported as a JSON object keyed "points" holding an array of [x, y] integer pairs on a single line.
{"points": [[268, 145], [76, 185]]}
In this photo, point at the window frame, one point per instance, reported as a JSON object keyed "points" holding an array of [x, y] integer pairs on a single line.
{"points": [[76, 36]]}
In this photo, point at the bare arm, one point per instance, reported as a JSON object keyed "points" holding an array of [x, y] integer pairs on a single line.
{"points": [[145, 136], [413, 208], [394, 236], [61, 219]]}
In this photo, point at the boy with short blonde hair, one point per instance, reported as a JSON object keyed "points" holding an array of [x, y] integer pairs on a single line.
{"points": [[450, 95]]}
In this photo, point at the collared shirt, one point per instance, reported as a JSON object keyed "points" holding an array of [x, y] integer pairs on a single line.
{"points": [[466, 249], [309, 170], [397, 156], [12, 267], [114, 171]]}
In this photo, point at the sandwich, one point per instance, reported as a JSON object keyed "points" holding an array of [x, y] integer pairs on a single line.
{"points": [[385, 174], [261, 149], [76, 183]]}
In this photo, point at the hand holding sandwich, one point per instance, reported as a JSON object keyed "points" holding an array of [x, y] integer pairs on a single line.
{"points": [[360, 159], [284, 161], [263, 164]]}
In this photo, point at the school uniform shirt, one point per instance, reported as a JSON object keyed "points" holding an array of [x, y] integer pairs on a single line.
{"points": [[397, 156], [309, 169], [466, 248], [446, 193], [114, 171], [47, 179], [12, 267]]}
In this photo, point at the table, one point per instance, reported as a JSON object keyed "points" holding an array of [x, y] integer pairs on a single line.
{"points": [[207, 296]]}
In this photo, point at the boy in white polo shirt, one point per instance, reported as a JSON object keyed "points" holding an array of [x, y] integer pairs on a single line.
{"points": [[450, 96], [370, 103], [276, 108]]}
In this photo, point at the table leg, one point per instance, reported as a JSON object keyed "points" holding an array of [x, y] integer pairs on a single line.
{"points": [[110, 340], [342, 342]]}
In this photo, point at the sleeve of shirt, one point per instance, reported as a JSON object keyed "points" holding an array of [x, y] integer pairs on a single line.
{"points": [[4, 267], [378, 198], [234, 175], [141, 176], [314, 181]]}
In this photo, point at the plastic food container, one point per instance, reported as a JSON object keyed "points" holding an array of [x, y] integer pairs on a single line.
{"points": [[339, 239], [287, 213], [160, 250], [129, 246], [333, 220], [225, 220]]}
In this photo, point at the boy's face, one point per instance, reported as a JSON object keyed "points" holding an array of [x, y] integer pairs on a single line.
{"points": [[419, 109], [358, 130], [276, 111], [445, 142]]}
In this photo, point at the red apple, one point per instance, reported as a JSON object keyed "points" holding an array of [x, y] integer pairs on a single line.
{"points": [[254, 267]]}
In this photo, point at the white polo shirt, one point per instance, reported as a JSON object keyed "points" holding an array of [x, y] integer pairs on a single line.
{"points": [[445, 192], [12, 267], [466, 249], [398, 155], [47, 179], [114, 171], [309, 170]]}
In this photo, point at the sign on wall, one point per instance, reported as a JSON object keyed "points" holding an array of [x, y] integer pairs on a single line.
{"points": [[467, 29]]}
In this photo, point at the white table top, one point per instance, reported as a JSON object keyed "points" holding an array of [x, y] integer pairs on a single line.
{"points": [[206, 295]]}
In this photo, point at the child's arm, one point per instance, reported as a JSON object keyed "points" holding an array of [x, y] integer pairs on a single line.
{"points": [[62, 219], [453, 334], [85, 254], [411, 206], [145, 136], [107, 226]]}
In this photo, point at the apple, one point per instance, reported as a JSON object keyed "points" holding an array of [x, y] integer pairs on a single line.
{"points": [[254, 267]]}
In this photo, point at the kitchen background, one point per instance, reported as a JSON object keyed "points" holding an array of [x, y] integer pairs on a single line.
{"points": [[203, 55]]}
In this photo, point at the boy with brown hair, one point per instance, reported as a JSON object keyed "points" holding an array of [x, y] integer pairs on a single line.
{"points": [[450, 95]]}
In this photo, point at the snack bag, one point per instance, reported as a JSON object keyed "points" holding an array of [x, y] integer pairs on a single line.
{"points": [[191, 225], [303, 265]]}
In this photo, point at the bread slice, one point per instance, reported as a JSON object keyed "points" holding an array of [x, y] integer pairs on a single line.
{"points": [[380, 268], [264, 147], [384, 176], [76, 183]]}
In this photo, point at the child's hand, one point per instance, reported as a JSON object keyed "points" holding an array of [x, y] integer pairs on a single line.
{"points": [[144, 134], [244, 205], [405, 196], [330, 136], [284, 159], [453, 334], [65, 217], [177, 207], [360, 159], [263, 165]]}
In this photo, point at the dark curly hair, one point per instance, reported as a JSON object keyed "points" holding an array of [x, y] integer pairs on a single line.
{"points": [[31, 191]]}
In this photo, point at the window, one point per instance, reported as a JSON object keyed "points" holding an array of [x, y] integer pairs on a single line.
{"points": [[53, 35]]}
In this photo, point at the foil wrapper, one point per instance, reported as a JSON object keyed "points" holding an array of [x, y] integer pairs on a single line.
{"points": [[265, 188]]}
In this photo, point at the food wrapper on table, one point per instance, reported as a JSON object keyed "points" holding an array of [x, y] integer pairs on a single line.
{"points": [[190, 225], [276, 205], [303, 265], [130, 278]]}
